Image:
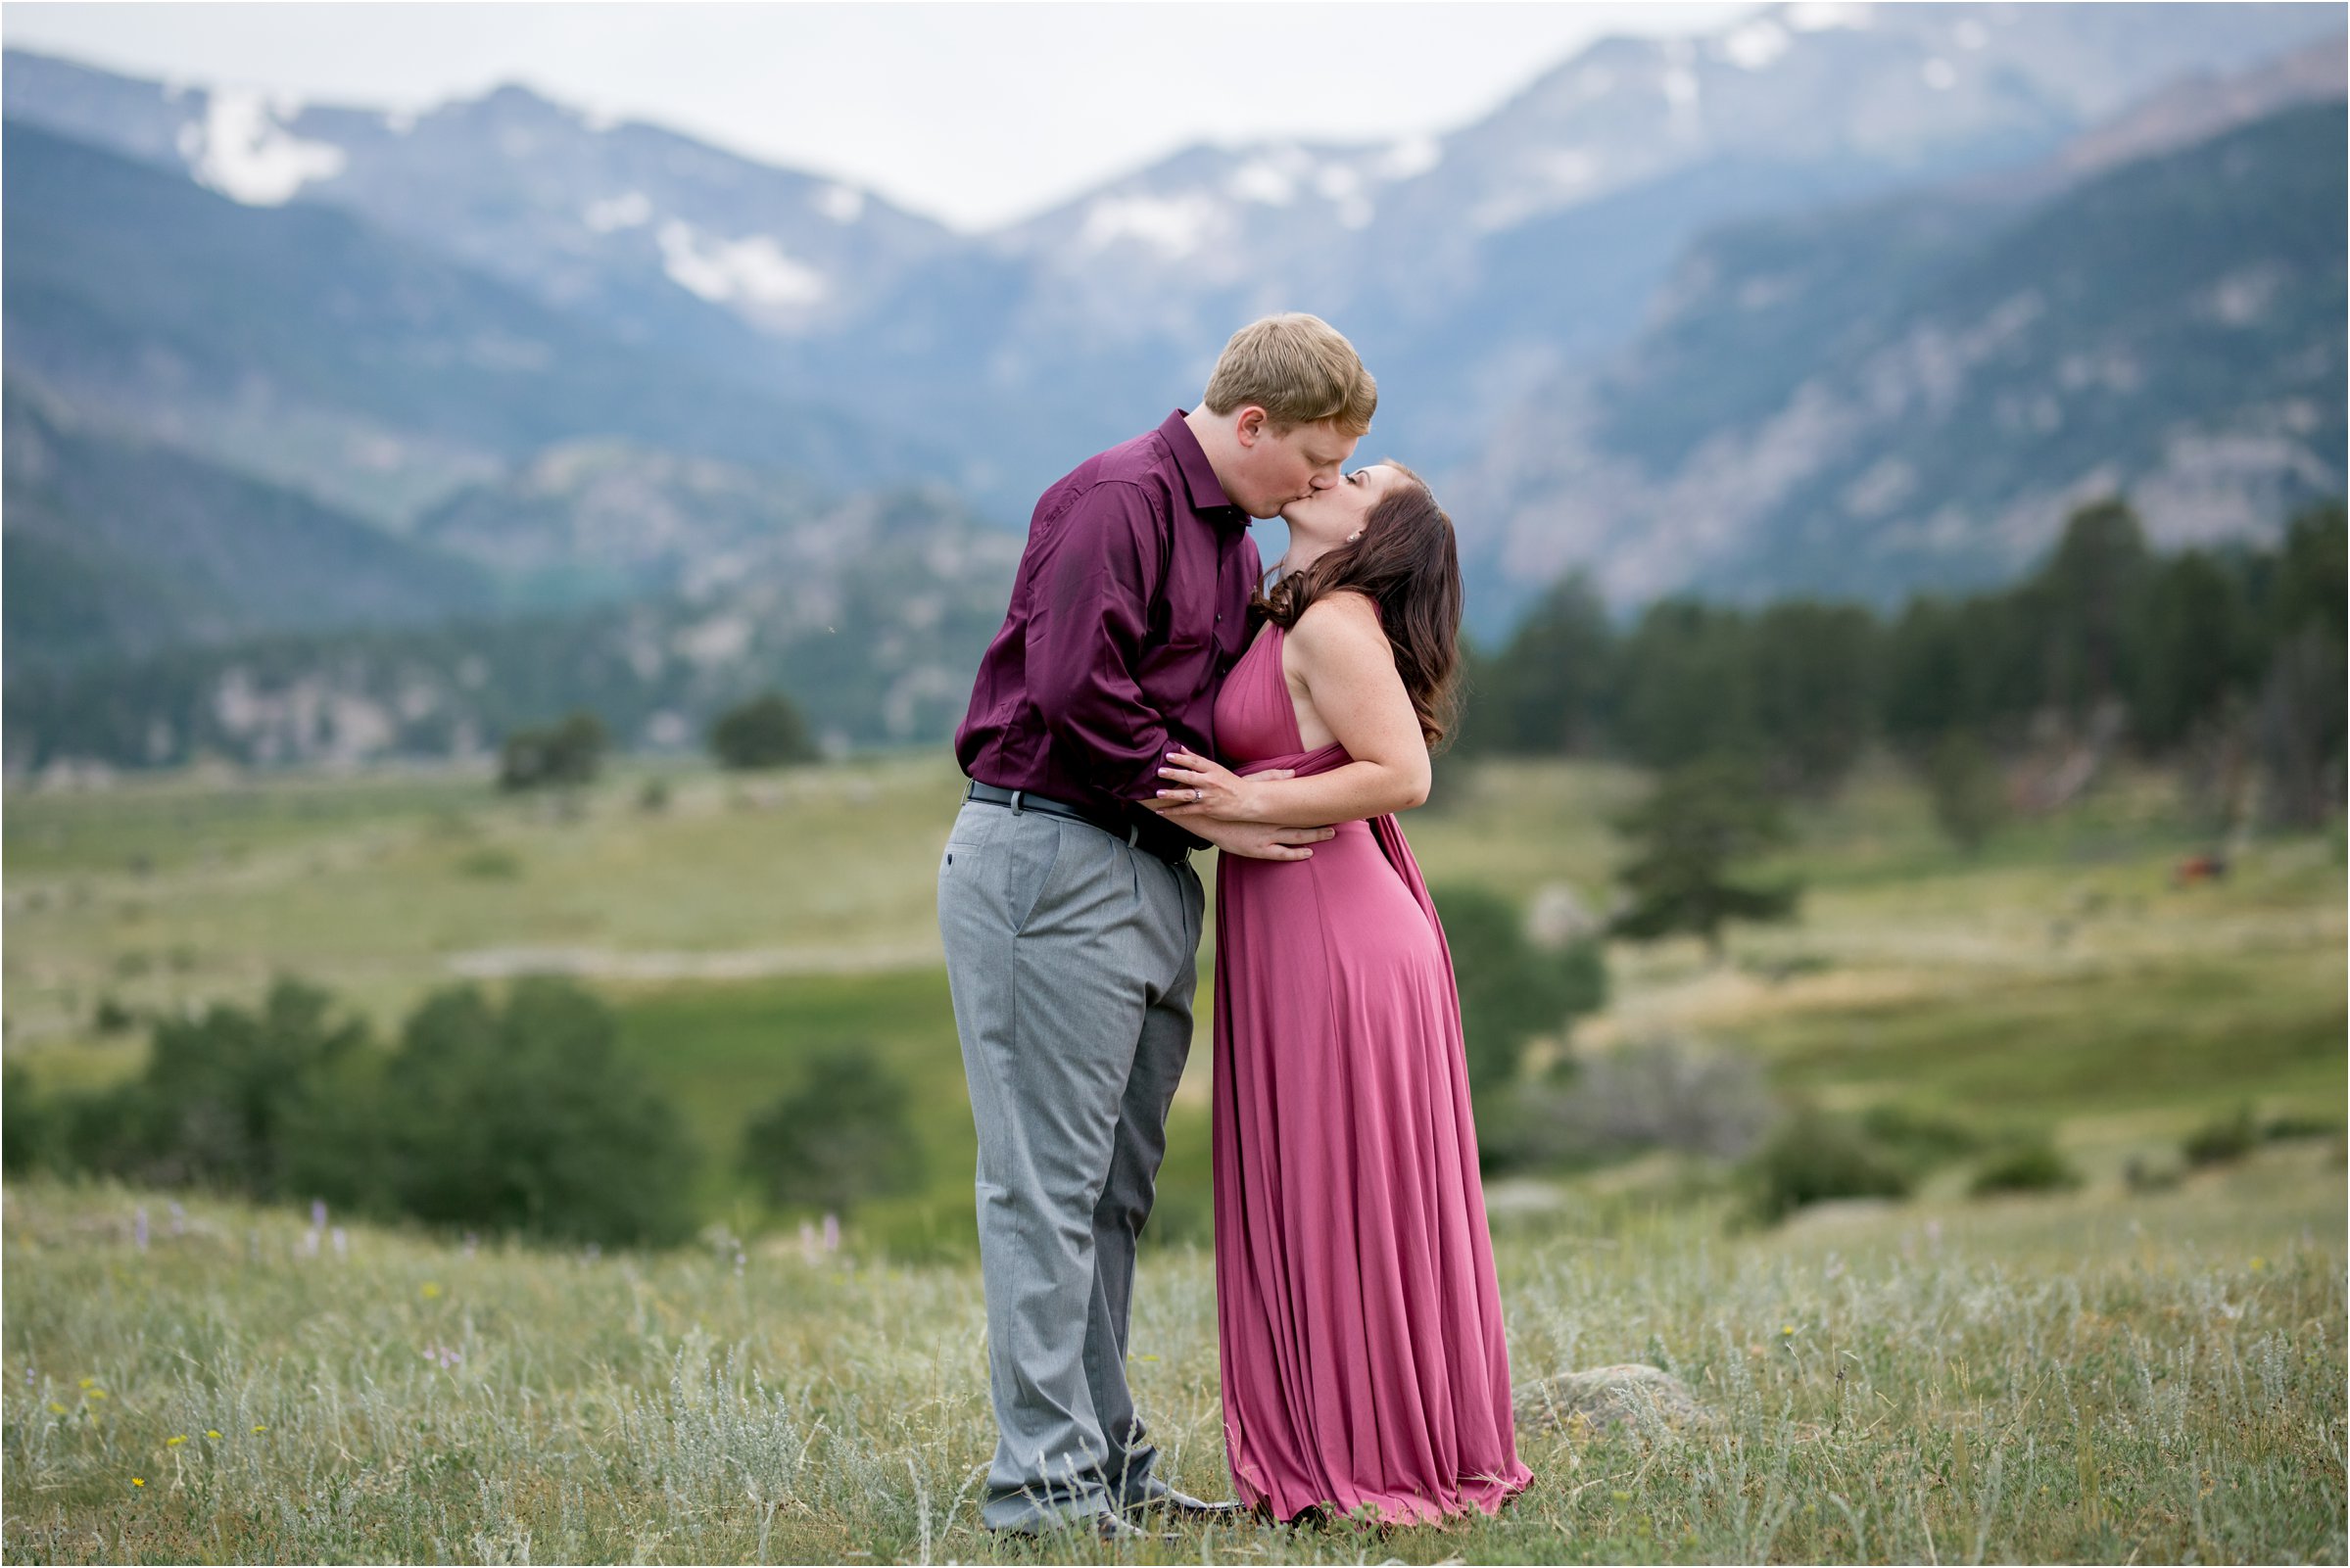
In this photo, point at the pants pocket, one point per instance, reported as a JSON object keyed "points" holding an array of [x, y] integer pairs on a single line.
{"points": [[1030, 856]]}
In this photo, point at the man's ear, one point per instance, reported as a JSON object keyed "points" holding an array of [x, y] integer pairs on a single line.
{"points": [[1251, 425]]}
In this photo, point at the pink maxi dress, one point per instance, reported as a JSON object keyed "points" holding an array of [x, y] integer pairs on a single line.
{"points": [[1357, 1317]]}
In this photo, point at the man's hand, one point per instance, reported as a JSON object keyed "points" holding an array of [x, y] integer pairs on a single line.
{"points": [[1256, 840]]}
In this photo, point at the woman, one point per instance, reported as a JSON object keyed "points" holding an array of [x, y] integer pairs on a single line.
{"points": [[1361, 1329]]}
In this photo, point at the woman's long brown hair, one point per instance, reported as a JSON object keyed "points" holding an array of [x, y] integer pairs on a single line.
{"points": [[1408, 565]]}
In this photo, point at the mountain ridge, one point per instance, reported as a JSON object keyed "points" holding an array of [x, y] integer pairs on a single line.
{"points": [[2166, 328], [1458, 262]]}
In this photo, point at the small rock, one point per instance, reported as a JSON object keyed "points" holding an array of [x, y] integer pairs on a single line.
{"points": [[1609, 1398]]}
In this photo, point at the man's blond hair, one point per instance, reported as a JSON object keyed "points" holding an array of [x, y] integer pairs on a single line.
{"points": [[1299, 369]]}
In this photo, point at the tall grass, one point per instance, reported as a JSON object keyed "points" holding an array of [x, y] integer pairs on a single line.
{"points": [[2151, 1380], [2108, 1374]]}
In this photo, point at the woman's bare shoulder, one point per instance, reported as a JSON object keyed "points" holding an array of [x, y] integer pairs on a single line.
{"points": [[1343, 615], [1341, 625]]}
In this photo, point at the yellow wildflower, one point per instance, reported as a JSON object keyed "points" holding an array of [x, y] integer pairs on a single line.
{"points": [[1787, 1328], [175, 1440], [89, 1382], [97, 1394], [431, 1290], [57, 1407], [211, 1433], [138, 1480], [259, 1428]]}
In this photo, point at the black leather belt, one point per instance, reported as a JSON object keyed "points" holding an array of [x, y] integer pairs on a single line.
{"points": [[1163, 843]]}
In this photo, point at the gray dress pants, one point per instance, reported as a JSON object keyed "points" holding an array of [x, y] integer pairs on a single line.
{"points": [[1070, 957]]}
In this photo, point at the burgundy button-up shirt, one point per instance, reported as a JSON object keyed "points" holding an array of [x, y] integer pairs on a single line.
{"points": [[1129, 608]]}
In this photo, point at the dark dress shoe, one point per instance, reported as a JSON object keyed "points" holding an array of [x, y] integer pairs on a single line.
{"points": [[1112, 1526], [1107, 1525], [1161, 1499]]}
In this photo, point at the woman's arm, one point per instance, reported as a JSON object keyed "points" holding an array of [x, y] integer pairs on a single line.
{"points": [[1340, 653]]}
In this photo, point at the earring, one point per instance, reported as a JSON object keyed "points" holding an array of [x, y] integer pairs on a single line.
{"points": [[1356, 534]]}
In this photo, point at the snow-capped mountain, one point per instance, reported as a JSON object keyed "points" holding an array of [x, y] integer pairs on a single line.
{"points": [[1915, 391], [1480, 270], [1469, 267], [640, 225]]}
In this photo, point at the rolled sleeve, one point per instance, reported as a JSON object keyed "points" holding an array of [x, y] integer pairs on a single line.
{"points": [[1086, 642]]}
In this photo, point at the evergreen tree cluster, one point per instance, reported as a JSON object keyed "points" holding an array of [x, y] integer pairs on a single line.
{"points": [[522, 1117], [767, 731], [2211, 658], [561, 754]]}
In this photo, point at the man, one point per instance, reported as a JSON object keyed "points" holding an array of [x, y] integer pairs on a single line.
{"points": [[1071, 913]]}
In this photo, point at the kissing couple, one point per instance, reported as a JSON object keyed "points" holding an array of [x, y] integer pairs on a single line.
{"points": [[1150, 694]]}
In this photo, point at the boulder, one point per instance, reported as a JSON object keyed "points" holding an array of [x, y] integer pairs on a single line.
{"points": [[1609, 1399]]}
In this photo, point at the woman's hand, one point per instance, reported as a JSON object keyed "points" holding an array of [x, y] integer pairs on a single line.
{"points": [[1200, 787]]}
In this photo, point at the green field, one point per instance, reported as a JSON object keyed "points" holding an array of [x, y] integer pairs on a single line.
{"points": [[2073, 1378], [2187, 1339]]}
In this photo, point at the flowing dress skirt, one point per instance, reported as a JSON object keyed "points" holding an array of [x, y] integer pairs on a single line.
{"points": [[1364, 1359]]}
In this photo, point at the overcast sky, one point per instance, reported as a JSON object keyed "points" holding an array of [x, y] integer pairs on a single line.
{"points": [[973, 113]]}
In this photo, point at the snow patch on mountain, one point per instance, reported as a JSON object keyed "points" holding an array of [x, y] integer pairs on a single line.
{"points": [[240, 149], [842, 204], [1174, 225], [631, 210], [1571, 167], [1414, 155], [1756, 44], [753, 270], [1264, 182]]}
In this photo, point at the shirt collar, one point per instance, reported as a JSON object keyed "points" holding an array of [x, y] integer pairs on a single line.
{"points": [[1199, 475]]}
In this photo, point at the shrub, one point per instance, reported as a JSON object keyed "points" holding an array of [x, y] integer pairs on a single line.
{"points": [[2220, 1141], [1920, 1139], [565, 753], [1965, 788], [843, 1135], [2278, 1129], [25, 1123], [218, 1095], [1813, 1157], [1510, 990], [2033, 1167], [767, 731], [529, 1120]]}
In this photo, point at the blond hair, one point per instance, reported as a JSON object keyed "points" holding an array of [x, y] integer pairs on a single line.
{"points": [[1299, 369]]}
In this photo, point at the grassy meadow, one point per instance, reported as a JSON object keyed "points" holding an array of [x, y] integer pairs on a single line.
{"points": [[2126, 1371]]}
